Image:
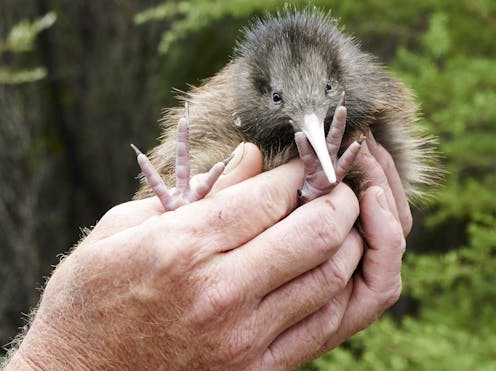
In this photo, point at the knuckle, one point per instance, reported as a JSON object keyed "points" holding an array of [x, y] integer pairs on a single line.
{"points": [[333, 321], [268, 361], [400, 242], [170, 254], [326, 231], [329, 321], [337, 273], [215, 304], [238, 346], [274, 204], [322, 277], [396, 238], [391, 296], [217, 299], [407, 223], [325, 239], [330, 276]]}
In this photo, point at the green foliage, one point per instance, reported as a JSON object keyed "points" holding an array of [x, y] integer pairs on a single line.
{"points": [[445, 52], [453, 283], [455, 327], [22, 35], [415, 345], [21, 39], [11, 76]]}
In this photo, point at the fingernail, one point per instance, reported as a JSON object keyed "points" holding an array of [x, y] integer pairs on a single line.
{"points": [[381, 199], [236, 157]]}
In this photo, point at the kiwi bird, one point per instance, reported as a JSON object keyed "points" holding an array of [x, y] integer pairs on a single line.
{"points": [[289, 75]]}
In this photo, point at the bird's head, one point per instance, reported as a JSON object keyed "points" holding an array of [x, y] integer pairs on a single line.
{"points": [[290, 79]]}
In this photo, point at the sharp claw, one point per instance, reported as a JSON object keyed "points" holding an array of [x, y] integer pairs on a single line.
{"points": [[342, 99], [361, 138], [186, 112], [138, 152]]}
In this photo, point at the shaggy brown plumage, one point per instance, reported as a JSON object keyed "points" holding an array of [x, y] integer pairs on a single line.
{"points": [[288, 66]]}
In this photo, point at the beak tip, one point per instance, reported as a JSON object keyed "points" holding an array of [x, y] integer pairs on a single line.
{"points": [[332, 179], [330, 174]]}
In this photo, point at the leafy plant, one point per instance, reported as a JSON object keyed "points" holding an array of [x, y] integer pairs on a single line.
{"points": [[21, 39], [445, 52]]}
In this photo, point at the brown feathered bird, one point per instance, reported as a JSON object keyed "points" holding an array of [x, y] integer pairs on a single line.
{"points": [[288, 75]]}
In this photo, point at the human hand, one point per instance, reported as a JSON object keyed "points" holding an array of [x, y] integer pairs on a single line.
{"points": [[202, 287], [386, 220]]}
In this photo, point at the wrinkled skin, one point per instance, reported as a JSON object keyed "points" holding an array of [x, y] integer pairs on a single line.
{"points": [[242, 279]]}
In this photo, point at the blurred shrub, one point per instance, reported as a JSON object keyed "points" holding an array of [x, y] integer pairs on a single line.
{"points": [[21, 39], [445, 52]]}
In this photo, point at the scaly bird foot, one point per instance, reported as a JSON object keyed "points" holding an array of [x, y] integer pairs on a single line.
{"points": [[315, 181], [184, 192]]}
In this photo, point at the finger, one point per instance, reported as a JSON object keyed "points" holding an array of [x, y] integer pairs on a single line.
{"points": [[382, 262], [306, 340], [124, 216], [378, 285], [233, 216], [246, 163], [387, 163], [374, 175], [307, 293], [306, 238]]}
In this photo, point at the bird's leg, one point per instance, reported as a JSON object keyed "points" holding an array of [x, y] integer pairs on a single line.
{"points": [[185, 192], [315, 181]]}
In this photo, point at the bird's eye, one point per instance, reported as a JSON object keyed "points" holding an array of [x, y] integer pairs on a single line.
{"points": [[328, 88], [276, 97]]}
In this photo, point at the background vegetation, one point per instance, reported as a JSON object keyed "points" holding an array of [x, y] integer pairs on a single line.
{"points": [[80, 80]]}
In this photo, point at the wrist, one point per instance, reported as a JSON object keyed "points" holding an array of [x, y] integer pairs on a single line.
{"points": [[44, 347]]}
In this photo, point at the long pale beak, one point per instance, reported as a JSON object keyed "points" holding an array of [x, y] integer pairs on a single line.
{"points": [[313, 128]]}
